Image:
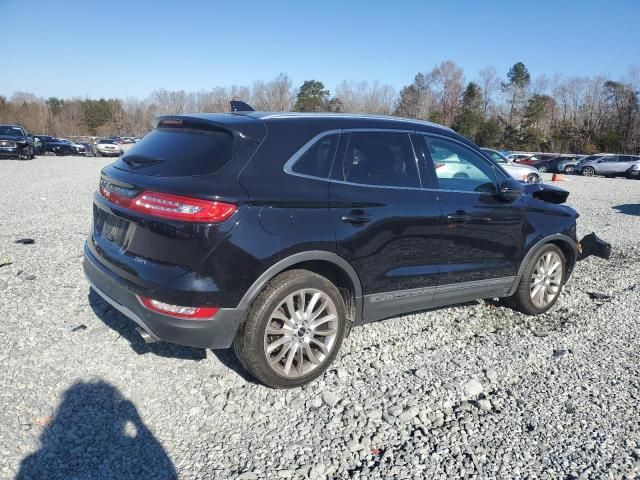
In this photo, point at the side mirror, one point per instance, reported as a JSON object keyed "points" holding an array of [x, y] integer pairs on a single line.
{"points": [[511, 189]]}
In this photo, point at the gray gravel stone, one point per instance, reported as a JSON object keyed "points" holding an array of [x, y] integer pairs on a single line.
{"points": [[472, 388], [330, 398], [118, 408]]}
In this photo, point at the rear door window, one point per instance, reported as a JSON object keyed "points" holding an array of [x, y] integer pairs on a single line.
{"points": [[316, 160], [175, 152], [380, 159]]}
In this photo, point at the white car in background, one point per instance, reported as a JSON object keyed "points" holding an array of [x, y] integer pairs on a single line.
{"points": [[519, 172], [108, 147]]}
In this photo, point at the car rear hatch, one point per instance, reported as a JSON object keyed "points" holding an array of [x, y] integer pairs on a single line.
{"points": [[166, 204]]}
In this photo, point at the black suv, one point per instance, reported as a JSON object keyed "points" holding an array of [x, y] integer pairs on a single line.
{"points": [[278, 232], [16, 142]]}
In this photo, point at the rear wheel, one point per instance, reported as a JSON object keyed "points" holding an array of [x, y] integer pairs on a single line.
{"points": [[588, 171], [293, 330], [542, 168], [541, 282], [569, 169]]}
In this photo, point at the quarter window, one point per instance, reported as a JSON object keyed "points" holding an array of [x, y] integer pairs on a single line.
{"points": [[458, 168], [317, 159], [379, 158]]}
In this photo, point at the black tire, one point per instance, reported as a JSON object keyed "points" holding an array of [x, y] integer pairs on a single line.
{"points": [[521, 299], [569, 169], [588, 172], [249, 343]]}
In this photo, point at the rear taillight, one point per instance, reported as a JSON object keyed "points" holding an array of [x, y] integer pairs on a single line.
{"points": [[172, 207], [195, 313]]}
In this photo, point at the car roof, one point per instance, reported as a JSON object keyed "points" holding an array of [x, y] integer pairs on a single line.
{"points": [[253, 124]]}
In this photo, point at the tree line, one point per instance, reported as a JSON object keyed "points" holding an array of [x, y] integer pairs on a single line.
{"points": [[516, 111]]}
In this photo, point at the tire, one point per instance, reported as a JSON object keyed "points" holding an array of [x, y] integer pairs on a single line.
{"points": [[533, 178], [588, 171], [542, 168], [271, 309], [523, 298], [569, 169]]}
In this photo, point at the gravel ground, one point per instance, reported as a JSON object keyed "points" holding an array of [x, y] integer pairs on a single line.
{"points": [[469, 391]]}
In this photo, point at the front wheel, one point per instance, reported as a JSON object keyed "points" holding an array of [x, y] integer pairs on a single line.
{"points": [[569, 169], [542, 168], [541, 282], [588, 171], [293, 330]]}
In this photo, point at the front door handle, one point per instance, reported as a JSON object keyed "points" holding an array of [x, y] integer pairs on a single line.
{"points": [[356, 219], [459, 218]]}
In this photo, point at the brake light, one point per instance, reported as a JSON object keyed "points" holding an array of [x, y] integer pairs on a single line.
{"points": [[172, 207], [195, 313]]}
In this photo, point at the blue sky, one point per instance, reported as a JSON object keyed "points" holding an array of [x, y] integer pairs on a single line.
{"points": [[116, 48]]}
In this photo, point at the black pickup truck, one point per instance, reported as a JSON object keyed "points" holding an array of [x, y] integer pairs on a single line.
{"points": [[16, 142]]}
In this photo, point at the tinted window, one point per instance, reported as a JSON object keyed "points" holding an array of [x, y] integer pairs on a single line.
{"points": [[316, 160], [458, 168], [379, 158], [178, 152]]}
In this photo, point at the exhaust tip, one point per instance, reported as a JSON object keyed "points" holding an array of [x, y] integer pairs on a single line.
{"points": [[146, 336]]}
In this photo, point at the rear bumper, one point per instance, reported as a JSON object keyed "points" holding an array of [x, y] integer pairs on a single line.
{"points": [[217, 332]]}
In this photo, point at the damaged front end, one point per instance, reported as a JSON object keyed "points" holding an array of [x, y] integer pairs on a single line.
{"points": [[593, 245]]}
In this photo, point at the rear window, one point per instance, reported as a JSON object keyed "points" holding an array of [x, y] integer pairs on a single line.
{"points": [[176, 152]]}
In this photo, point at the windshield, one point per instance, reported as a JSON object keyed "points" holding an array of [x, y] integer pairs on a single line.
{"points": [[496, 156], [11, 131]]}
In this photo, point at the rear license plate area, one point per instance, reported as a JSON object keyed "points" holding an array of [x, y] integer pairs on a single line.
{"points": [[111, 228]]}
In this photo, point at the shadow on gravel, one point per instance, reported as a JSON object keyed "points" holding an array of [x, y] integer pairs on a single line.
{"points": [[629, 209], [228, 358], [127, 329], [96, 433]]}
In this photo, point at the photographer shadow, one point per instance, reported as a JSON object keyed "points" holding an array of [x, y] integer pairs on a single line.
{"points": [[96, 433]]}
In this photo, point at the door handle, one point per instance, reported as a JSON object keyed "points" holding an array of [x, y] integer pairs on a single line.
{"points": [[356, 219], [459, 218]]}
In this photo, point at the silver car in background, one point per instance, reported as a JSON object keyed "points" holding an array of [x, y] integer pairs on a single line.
{"points": [[607, 165], [519, 172]]}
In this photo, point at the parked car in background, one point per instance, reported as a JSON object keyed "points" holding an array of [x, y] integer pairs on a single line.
{"points": [[89, 148], [16, 142], [534, 159], [607, 165], [568, 165], [77, 148], [553, 164], [519, 172], [107, 147], [634, 171], [199, 238]]}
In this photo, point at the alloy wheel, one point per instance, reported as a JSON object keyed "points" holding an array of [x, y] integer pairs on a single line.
{"points": [[546, 279], [301, 333], [588, 172]]}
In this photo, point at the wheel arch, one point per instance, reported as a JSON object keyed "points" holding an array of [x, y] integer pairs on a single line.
{"points": [[564, 242], [327, 264]]}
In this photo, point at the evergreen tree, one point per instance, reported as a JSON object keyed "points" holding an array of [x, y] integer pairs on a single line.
{"points": [[312, 97]]}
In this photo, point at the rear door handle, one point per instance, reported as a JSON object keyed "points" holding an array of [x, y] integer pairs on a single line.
{"points": [[356, 219], [459, 218]]}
